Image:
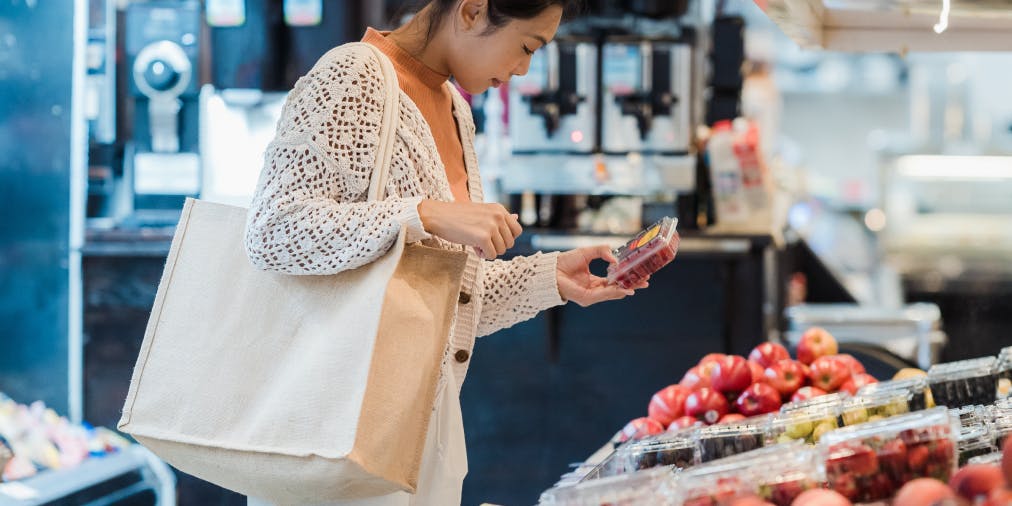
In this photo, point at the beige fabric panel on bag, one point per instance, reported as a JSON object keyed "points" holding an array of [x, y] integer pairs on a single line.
{"points": [[411, 342]]}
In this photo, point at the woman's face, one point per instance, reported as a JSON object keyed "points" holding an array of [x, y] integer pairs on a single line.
{"points": [[479, 61]]}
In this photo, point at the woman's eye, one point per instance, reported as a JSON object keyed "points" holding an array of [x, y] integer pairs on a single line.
{"points": [[527, 50]]}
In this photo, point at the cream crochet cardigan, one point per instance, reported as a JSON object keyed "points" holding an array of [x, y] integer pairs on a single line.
{"points": [[310, 215]]}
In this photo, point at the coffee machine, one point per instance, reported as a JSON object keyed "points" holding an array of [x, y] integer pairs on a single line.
{"points": [[646, 96], [552, 107], [162, 158]]}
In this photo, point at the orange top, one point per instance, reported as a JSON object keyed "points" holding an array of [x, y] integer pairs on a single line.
{"points": [[427, 90]]}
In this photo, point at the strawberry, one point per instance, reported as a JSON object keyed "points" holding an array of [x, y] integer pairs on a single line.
{"points": [[854, 458], [845, 485], [917, 457], [892, 458]]}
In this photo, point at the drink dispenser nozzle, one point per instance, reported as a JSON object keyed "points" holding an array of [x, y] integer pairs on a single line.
{"points": [[560, 97], [654, 98]]}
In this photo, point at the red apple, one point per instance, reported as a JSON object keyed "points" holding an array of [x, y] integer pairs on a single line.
{"points": [[767, 354], [757, 371], [923, 491], [731, 375], [816, 342], [786, 376], [808, 372], [976, 480], [731, 417], [855, 365], [706, 404], [683, 422], [695, 379], [820, 497], [668, 404], [828, 374], [639, 429], [758, 399], [856, 381], [711, 357], [805, 393]]}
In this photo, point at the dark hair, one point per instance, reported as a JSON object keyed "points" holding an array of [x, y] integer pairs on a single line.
{"points": [[499, 12]]}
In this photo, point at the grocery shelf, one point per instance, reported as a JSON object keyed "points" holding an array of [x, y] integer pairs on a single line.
{"points": [[131, 473]]}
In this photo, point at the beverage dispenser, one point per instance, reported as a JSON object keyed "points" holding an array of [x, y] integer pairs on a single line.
{"points": [[552, 108], [647, 86], [162, 45]]}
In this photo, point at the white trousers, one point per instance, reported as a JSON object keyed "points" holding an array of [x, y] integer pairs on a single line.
{"points": [[444, 460]]}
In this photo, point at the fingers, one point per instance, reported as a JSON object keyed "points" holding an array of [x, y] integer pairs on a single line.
{"points": [[498, 242], [488, 248], [513, 221], [507, 233]]}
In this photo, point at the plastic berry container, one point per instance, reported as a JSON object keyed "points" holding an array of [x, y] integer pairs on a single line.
{"points": [[993, 459], [871, 461], [650, 486], [975, 432], [807, 425], [964, 383], [676, 449], [645, 254], [612, 465], [874, 406], [777, 473], [1001, 428], [920, 394], [733, 438]]}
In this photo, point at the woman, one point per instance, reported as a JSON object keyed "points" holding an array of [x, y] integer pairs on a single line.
{"points": [[309, 215]]}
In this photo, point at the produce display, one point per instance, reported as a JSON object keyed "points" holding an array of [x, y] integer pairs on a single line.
{"points": [[874, 406], [645, 254], [964, 383], [871, 461], [676, 449], [651, 486], [34, 438]]}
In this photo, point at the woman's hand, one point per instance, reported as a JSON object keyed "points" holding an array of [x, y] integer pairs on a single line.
{"points": [[577, 284], [489, 228]]}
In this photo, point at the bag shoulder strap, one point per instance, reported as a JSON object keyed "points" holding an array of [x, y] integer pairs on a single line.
{"points": [[388, 129]]}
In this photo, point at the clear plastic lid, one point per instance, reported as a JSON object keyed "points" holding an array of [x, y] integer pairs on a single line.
{"points": [[1001, 428], [676, 449], [871, 461], [806, 425], [973, 368], [875, 405], [835, 398], [732, 438], [990, 459], [645, 254], [612, 465], [651, 486], [778, 473], [920, 394]]}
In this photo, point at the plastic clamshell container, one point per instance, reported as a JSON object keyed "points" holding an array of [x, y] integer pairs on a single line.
{"points": [[645, 254], [1001, 428], [975, 432], [990, 459], [807, 425], [676, 449], [650, 486], [874, 406], [920, 393], [871, 461], [1005, 363], [733, 438], [612, 465], [964, 383], [777, 473]]}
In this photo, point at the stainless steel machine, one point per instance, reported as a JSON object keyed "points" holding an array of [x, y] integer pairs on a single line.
{"points": [[553, 107], [646, 89]]}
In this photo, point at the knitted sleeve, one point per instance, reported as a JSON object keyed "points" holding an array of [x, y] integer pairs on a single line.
{"points": [[309, 214], [516, 290]]}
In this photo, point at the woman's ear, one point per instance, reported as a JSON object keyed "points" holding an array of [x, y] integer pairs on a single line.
{"points": [[470, 14]]}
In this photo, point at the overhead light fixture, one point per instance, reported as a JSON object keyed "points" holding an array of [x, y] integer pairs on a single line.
{"points": [[943, 18]]}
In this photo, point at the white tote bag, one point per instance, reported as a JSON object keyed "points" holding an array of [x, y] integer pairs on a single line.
{"points": [[295, 389]]}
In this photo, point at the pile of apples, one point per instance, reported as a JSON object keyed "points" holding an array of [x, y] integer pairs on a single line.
{"points": [[723, 388]]}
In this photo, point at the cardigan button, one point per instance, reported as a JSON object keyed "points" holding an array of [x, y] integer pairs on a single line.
{"points": [[461, 356], [464, 298]]}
